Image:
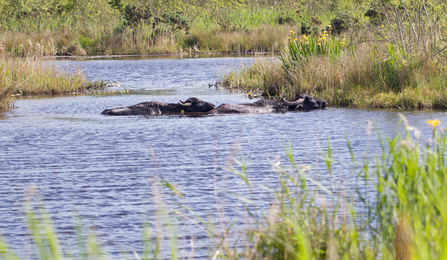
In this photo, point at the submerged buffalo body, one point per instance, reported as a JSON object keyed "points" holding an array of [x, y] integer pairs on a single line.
{"points": [[302, 102], [259, 107], [195, 105], [305, 102], [156, 108]]}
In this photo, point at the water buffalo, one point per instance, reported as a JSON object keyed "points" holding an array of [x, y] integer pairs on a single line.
{"points": [[305, 102], [302, 102], [157, 108]]}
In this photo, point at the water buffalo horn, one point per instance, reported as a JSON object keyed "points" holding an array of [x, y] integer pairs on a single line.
{"points": [[294, 103], [184, 104]]}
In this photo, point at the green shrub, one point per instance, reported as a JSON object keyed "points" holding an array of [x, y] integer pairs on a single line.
{"points": [[342, 23], [116, 4], [135, 15], [176, 20], [85, 42]]}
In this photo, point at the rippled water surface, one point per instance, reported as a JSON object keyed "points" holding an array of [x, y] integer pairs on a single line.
{"points": [[101, 166]]}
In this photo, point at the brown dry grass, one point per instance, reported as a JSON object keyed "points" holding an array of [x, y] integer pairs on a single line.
{"points": [[265, 38], [29, 77], [360, 80]]}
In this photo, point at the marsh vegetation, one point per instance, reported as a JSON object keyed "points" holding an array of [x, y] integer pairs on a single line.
{"points": [[80, 27], [356, 53], [393, 58], [30, 77]]}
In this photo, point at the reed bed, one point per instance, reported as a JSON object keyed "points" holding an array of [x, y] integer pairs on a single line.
{"points": [[100, 28], [265, 38], [362, 80], [29, 77], [394, 60], [364, 75], [106, 27], [396, 210]]}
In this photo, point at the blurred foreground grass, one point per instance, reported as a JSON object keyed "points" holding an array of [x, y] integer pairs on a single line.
{"points": [[398, 210]]}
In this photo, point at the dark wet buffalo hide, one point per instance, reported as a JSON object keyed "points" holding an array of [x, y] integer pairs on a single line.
{"points": [[157, 108], [305, 102], [197, 106], [302, 102]]}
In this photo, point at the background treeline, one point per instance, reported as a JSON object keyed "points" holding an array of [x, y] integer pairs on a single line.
{"points": [[80, 27]]}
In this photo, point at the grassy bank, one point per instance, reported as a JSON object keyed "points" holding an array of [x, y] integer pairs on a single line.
{"points": [[25, 77], [395, 210], [368, 78], [136, 41], [396, 60], [82, 27]]}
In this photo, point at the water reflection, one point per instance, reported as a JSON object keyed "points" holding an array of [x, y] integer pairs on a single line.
{"points": [[162, 57]]}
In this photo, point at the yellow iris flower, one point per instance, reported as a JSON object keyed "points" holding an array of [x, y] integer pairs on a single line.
{"points": [[433, 122]]}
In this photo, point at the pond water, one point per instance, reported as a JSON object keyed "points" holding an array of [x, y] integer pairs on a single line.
{"points": [[101, 167]]}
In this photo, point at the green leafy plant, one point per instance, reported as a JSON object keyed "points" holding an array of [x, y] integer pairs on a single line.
{"points": [[116, 4], [135, 15], [342, 23], [395, 71], [176, 20], [300, 49]]}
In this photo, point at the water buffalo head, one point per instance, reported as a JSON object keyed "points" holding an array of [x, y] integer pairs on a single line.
{"points": [[305, 102], [195, 105]]}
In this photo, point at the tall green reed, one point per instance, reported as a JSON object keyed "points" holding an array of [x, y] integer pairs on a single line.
{"points": [[300, 49], [410, 203], [396, 211]]}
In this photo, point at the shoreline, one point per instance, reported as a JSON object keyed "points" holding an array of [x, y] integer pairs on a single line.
{"points": [[192, 55]]}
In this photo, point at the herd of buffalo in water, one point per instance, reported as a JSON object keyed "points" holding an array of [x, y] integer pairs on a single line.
{"points": [[197, 106]]}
